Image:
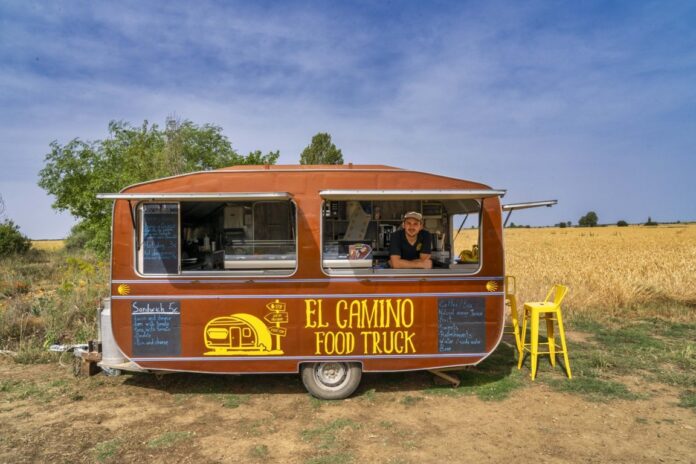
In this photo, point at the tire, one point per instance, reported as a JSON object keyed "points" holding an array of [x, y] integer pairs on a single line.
{"points": [[331, 380]]}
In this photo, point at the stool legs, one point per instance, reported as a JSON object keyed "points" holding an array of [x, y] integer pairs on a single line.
{"points": [[523, 341], [561, 333], [535, 341], [532, 317], [550, 339]]}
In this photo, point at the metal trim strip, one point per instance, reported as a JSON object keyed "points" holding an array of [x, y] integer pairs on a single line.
{"points": [[261, 280], [302, 296], [307, 358]]}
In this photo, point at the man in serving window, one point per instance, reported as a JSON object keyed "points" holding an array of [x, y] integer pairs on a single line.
{"points": [[410, 246]]}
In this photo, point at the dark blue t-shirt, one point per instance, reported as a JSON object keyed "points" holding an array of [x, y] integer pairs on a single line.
{"points": [[399, 245]]}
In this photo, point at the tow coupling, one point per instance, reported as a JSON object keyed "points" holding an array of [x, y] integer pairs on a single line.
{"points": [[85, 357]]}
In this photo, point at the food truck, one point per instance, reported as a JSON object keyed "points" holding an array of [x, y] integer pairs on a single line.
{"points": [[284, 269]]}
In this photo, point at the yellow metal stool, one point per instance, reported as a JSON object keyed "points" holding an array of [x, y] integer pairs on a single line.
{"points": [[551, 310], [511, 300]]}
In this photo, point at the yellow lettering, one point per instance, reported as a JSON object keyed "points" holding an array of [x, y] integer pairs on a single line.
{"points": [[392, 313], [342, 305], [318, 336], [409, 313], [399, 345], [331, 343], [409, 342], [354, 313], [388, 344], [320, 314], [375, 343], [309, 312], [369, 317]]}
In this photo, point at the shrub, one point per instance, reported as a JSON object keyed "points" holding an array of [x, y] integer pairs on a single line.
{"points": [[622, 223], [588, 220], [12, 240]]}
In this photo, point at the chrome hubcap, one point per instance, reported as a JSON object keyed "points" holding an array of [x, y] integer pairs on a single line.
{"points": [[332, 374]]}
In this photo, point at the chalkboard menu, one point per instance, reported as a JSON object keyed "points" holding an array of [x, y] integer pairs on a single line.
{"points": [[156, 328], [160, 238], [461, 325]]}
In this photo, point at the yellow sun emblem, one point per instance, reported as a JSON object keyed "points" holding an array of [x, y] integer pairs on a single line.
{"points": [[491, 286], [123, 289]]}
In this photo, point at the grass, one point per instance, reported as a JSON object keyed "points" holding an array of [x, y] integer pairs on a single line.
{"points": [[106, 450], [48, 297], [259, 451], [232, 401], [495, 379], [409, 400], [325, 436], [168, 439], [24, 389], [658, 350], [338, 458], [687, 399], [594, 389]]}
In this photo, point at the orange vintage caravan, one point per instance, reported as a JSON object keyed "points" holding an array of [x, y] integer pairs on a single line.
{"points": [[278, 269]]}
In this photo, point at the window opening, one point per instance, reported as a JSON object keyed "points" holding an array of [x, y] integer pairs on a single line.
{"points": [[356, 235], [227, 237]]}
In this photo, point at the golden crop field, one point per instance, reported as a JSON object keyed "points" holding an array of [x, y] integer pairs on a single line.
{"points": [[48, 245], [608, 270]]}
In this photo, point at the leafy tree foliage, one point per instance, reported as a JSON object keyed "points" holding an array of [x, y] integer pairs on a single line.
{"points": [[75, 172], [588, 220], [12, 240], [622, 223], [321, 151]]}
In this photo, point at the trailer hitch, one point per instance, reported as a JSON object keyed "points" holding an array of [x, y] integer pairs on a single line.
{"points": [[85, 357]]}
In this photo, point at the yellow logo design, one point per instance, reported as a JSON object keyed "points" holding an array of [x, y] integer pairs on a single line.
{"points": [[123, 289], [491, 286], [245, 334]]}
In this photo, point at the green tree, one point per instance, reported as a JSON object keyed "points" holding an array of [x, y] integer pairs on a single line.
{"points": [[588, 220], [75, 172], [321, 151], [622, 223], [12, 240]]}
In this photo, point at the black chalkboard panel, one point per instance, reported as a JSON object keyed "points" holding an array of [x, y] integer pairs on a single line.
{"points": [[156, 328], [161, 238], [461, 325]]}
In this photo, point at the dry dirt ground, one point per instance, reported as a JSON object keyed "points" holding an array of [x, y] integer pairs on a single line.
{"points": [[47, 415]]}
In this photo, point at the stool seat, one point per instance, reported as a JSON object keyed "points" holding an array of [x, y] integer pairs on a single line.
{"points": [[551, 311], [540, 306]]}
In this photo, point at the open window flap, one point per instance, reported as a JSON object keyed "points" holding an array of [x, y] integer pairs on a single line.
{"points": [[462, 206], [410, 194], [530, 204], [217, 196], [220, 196]]}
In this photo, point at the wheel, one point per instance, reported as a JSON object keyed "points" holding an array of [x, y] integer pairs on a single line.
{"points": [[331, 380]]}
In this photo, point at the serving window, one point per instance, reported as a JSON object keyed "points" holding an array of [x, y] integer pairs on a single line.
{"points": [[217, 237], [357, 233]]}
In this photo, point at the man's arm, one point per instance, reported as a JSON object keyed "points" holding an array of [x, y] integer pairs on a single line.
{"points": [[423, 262]]}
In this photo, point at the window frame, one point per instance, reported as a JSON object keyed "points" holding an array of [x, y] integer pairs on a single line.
{"points": [[217, 273], [390, 195]]}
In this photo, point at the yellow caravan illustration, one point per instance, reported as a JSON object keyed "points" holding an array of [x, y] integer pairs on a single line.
{"points": [[244, 334], [238, 334]]}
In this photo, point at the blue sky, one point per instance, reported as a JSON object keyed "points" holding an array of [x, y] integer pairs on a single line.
{"points": [[590, 103]]}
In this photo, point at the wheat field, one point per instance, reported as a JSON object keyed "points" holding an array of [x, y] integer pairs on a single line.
{"points": [[611, 270], [48, 245]]}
